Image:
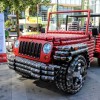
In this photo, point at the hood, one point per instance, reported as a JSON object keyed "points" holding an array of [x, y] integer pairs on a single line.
{"points": [[49, 36]]}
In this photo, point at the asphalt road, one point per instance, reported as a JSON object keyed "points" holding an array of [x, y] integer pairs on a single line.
{"points": [[14, 87]]}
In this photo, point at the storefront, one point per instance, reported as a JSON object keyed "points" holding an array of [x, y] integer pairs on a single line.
{"points": [[95, 7], [30, 25]]}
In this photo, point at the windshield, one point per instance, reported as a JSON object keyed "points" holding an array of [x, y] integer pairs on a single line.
{"points": [[69, 21]]}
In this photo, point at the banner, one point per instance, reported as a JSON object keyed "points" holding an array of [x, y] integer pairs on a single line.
{"points": [[33, 20], [3, 56]]}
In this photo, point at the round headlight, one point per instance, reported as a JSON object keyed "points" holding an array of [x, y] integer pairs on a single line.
{"points": [[16, 44], [47, 48]]}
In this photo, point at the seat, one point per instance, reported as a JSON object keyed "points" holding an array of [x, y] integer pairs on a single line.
{"points": [[74, 26], [84, 27]]}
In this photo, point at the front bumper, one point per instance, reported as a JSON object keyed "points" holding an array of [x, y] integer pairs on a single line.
{"points": [[33, 69]]}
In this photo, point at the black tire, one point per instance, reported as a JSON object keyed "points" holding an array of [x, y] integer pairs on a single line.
{"points": [[99, 61], [70, 81]]}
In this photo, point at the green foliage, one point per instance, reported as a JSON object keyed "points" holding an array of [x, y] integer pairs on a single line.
{"points": [[7, 23], [20, 5]]}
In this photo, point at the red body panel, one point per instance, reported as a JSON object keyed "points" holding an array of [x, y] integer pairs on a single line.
{"points": [[42, 56], [57, 40], [97, 46], [56, 36], [3, 57]]}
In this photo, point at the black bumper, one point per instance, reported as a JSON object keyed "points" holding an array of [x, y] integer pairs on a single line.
{"points": [[33, 69]]}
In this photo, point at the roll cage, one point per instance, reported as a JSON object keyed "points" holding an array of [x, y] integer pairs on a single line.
{"points": [[74, 11], [88, 15], [91, 15]]}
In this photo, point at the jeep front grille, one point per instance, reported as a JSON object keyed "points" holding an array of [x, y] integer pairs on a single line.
{"points": [[30, 48]]}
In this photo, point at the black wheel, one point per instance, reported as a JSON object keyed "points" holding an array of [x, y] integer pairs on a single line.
{"points": [[99, 61], [73, 79]]}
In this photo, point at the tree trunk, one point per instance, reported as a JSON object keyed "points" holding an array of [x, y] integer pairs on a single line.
{"points": [[17, 17]]}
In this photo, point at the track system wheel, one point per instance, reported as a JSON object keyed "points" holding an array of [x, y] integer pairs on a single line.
{"points": [[72, 79]]}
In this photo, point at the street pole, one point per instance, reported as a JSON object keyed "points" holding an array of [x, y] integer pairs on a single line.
{"points": [[57, 15], [37, 17], [57, 5]]}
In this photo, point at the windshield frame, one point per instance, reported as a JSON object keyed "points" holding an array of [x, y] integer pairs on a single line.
{"points": [[59, 12]]}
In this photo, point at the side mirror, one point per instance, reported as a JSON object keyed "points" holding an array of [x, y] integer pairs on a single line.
{"points": [[95, 31]]}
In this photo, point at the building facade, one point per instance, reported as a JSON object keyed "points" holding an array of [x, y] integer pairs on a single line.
{"points": [[67, 2], [63, 5], [95, 7]]}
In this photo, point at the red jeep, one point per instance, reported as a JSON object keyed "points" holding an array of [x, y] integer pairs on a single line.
{"points": [[62, 54]]}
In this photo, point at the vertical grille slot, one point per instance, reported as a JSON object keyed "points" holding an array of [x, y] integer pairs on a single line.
{"points": [[20, 47], [39, 50], [36, 50], [27, 47], [24, 48], [30, 48]]}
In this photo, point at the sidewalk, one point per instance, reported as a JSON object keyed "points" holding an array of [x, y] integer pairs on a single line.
{"points": [[14, 87]]}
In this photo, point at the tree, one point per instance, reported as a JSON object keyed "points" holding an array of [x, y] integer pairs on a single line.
{"points": [[7, 23], [20, 5]]}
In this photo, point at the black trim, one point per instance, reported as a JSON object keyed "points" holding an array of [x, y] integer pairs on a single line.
{"points": [[30, 48]]}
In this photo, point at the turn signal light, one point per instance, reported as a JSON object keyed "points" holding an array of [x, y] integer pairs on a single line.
{"points": [[46, 57]]}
